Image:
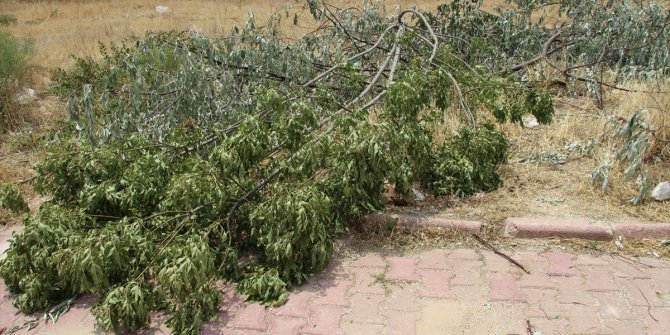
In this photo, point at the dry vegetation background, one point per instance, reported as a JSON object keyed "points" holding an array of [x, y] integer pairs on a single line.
{"points": [[61, 28]]}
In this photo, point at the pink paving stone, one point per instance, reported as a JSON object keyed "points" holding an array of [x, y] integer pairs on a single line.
{"points": [[334, 293], [436, 284], [470, 293], [513, 315], [549, 327], [628, 268], [434, 259], [370, 260], [589, 260], [468, 254], [537, 280], [400, 323], [402, 269], [571, 291], [657, 319], [655, 262], [583, 319], [557, 227], [361, 328], [560, 264], [157, 326], [232, 301], [401, 299], [503, 287], [251, 316], [78, 320], [547, 310], [324, 320], [659, 277], [538, 295], [365, 308], [599, 279], [640, 292], [542, 303], [296, 305], [9, 230], [5, 295], [215, 327], [365, 281], [280, 325], [614, 306], [8, 314], [70, 326], [625, 327], [338, 267], [467, 272], [495, 263], [532, 261], [642, 230]]}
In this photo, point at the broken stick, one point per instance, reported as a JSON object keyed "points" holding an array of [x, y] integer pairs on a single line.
{"points": [[497, 252]]}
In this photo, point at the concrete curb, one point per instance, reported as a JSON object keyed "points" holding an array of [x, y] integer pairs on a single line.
{"points": [[539, 227], [416, 221], [642, 230], [557, 227]]}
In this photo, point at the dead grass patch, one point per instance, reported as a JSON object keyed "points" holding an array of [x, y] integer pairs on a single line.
{"points": [[61, 28], [561, 190]]}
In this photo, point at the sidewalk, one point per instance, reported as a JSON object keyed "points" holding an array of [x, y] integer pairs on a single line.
{"points": [[462, 291]]}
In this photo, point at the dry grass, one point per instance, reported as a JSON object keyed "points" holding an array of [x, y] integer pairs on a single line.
{"points": [[561, 190], [64, 27]]}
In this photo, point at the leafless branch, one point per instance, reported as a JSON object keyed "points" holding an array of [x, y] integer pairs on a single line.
{"points": [[543, 55]]}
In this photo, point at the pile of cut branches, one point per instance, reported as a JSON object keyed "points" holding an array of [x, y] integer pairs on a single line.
{"points": [[189, 161]]}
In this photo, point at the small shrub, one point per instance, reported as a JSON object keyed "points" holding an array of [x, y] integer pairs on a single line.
{"points": [[468, 162], [14, 54], [6, 20]]}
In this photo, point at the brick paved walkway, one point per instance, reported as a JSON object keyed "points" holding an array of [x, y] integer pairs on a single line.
{"points": [[461, 291]]}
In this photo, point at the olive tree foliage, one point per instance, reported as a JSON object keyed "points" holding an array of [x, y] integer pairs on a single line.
{"points": [[188, 161]]}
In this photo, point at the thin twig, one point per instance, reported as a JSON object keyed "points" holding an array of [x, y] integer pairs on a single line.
{"points": [[648, 305], [631, 261], [26, 180], [492, 248]]}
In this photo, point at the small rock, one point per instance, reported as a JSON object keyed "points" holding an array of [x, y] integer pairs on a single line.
{"points": [[530, 122], [418, 196], [665, 242], [661, 192], [162, 9], [618, 244], [25, 96]]}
